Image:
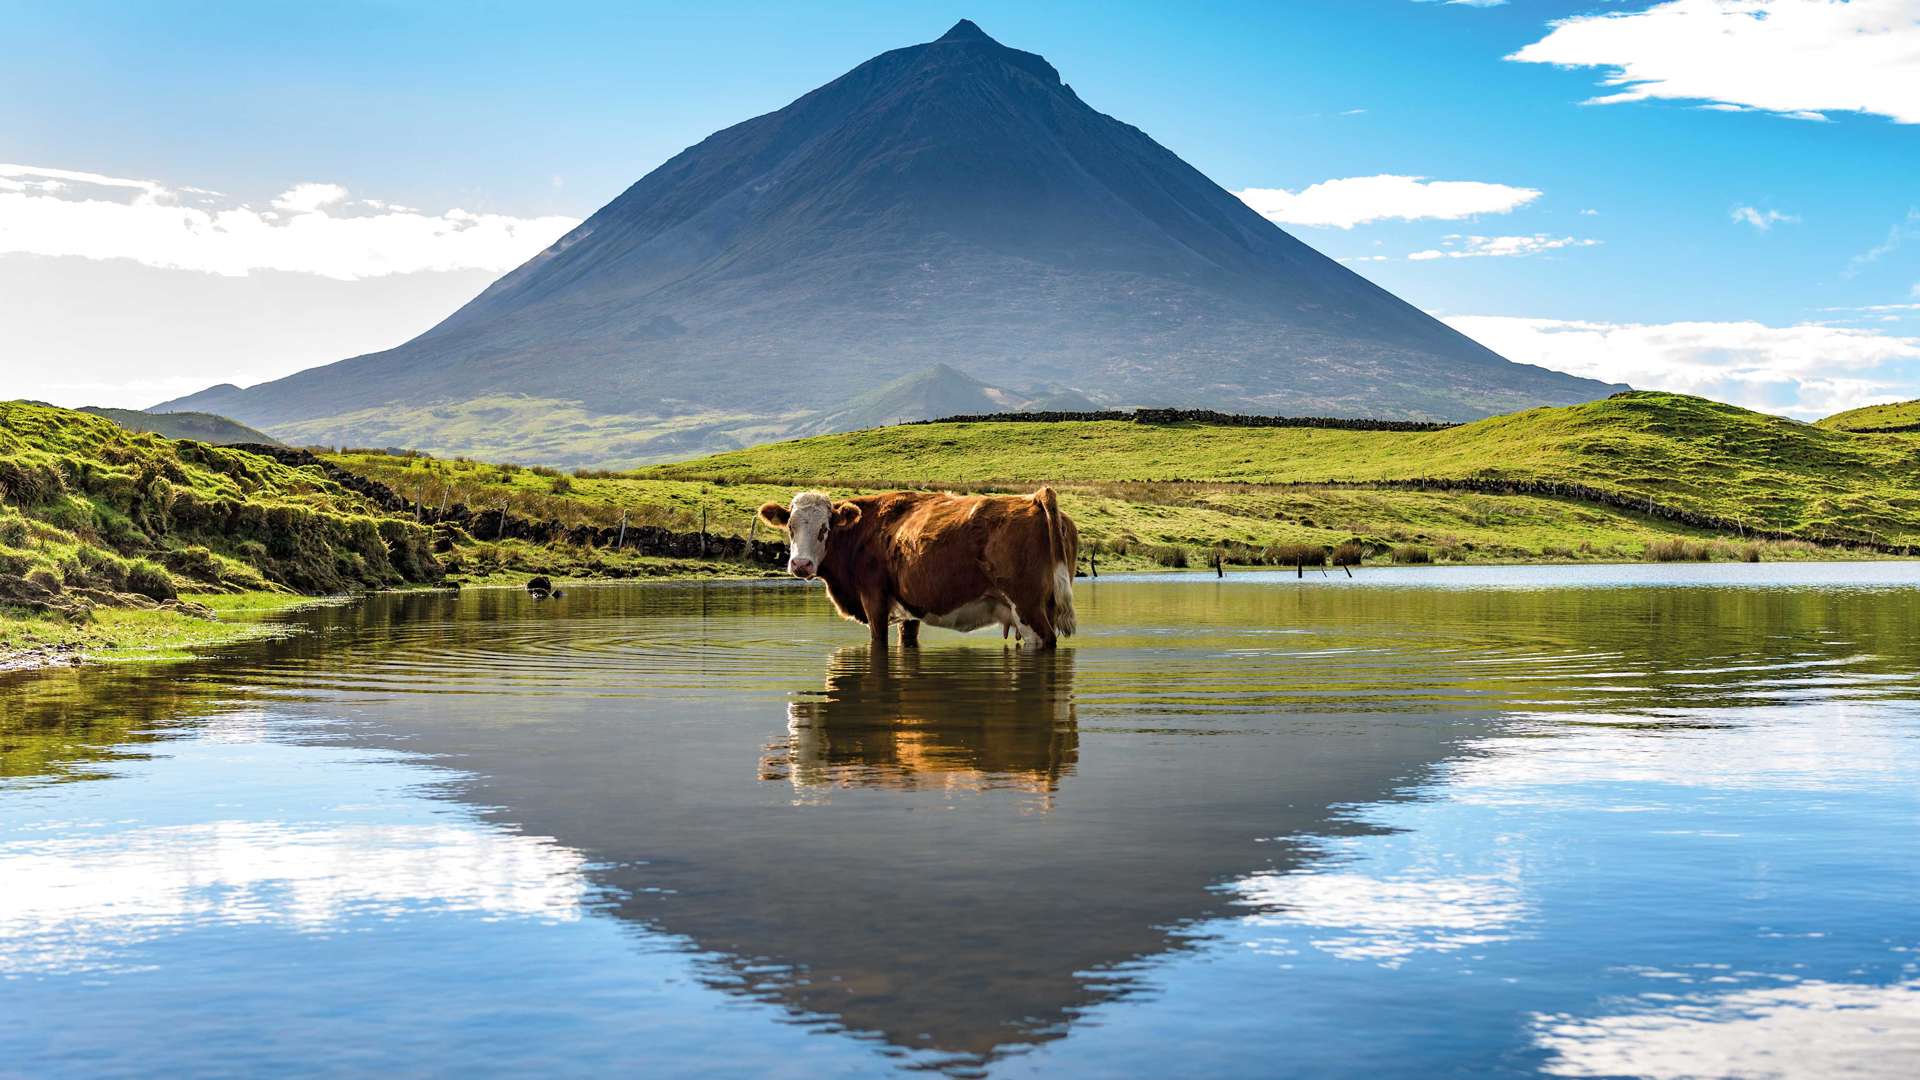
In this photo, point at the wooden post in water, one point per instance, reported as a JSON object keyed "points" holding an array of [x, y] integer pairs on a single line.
{"points": [[1093, 563], [1219, 563]]}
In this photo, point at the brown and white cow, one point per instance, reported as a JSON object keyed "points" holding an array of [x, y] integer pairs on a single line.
{"points": [[954, 561]]}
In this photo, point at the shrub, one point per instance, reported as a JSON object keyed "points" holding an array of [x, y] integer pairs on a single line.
{"points": [[560, 486], [1349, 553], [1678, 550], [44, 577], [1172, 555], [1297, 555], [1240, 554], [1409, 554], [1750, 552], [193, 562], [149, 580]]}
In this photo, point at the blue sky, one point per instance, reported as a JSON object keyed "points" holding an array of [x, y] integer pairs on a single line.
{"points": [[1738, 248]]}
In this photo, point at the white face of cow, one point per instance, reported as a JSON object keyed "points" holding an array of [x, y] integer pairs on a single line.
{"points": [[809, 523]]}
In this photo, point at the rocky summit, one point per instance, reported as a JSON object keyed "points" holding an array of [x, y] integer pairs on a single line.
{"points": [[948, 217]]}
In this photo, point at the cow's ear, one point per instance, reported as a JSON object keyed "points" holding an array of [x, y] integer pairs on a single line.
{"points": [[845, 514], [774, 514]]}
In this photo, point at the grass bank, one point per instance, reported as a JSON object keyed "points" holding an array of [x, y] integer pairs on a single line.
{"points": [[116, 543], [33, 639]]}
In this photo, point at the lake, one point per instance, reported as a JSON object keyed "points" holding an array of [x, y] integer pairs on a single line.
{"points": [[1581, 821]]}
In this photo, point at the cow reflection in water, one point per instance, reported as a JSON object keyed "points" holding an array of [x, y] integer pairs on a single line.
{"points": [[963, 720]]}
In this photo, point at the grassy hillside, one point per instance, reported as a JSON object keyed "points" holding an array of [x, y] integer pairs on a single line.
{"points": [[94, 515], [1900, 416], [1149, 494], [198, 426], [1683, 452]]}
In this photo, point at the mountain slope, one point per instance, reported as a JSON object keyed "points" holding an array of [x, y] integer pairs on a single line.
{"points": [[949, 203]]}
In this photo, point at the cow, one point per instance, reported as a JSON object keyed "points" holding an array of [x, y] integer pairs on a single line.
{"points": [[959, 562]]}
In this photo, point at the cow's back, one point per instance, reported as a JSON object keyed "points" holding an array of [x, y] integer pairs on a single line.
{"points": [[943, 551]]}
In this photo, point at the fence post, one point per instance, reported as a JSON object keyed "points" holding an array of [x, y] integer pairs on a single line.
{"points": [[622, 542]]}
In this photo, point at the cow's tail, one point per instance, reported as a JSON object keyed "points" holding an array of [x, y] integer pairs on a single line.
{"points": [[1062, 553]]}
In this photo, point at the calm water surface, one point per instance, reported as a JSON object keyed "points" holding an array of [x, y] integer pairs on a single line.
{"points": [[1657, 821]]}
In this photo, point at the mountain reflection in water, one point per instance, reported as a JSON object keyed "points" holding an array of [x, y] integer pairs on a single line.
{"points": [[1227, 819]]}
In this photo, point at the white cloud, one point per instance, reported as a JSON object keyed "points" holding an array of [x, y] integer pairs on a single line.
{"points": [[89, 178], [1761, 219], [1900, 233], [86, 332], [1474, 247], [1386, 921], [1807, 370], [1356, 200], [309, 231], [81, 901], [1880, 308], [1811, 1028], [1796, 58], [307, 198], [1589, 213]]}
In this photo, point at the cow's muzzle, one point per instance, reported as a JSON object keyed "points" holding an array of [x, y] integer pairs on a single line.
{"points": [[800, 568]]}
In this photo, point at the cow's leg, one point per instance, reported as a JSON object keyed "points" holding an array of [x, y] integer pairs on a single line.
{"points": [[879, 611], [1035, 625], [910, 634]]}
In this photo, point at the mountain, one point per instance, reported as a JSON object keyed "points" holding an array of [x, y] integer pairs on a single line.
{"points": [[952, 203], [199, 426]]}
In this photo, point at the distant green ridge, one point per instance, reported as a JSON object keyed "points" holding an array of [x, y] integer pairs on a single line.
{"points": [[199, 426], [1894, 418], [1697, 456]]}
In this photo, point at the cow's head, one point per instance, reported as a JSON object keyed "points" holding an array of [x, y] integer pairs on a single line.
{"points": [[812, 518]]}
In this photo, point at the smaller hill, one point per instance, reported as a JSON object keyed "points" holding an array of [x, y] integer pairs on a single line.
{"points": [[937, 391], [1699, 458], [1899, 416], [94, 514], [198, 426]]}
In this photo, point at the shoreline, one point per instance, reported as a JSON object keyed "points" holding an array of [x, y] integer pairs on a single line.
{"points": [[37, 643]]}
